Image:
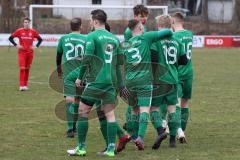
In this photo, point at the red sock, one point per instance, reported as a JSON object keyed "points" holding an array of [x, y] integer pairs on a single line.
{"points": [[21, 77], [26, 77]]}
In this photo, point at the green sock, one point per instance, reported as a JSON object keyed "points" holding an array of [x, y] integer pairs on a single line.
{"points": [[103, 124], [143, 122], [111, 132], [82, 126], [156, 119], [128, 120], [173, 123], [184, 117], [178, 114], [163, 111], [103, 128], [69, 115], [120, 132], [135, 125], [75, 113]]}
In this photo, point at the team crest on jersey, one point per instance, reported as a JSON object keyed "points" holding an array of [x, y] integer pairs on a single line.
{"points": [[23, 33], [30, 34]]}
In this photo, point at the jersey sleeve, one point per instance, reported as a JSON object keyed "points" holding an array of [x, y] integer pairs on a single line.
{"points": [[16, 33], [154, 47], [154, 36], [127, 34], [90, 46], [59, 47], [36, 34]]}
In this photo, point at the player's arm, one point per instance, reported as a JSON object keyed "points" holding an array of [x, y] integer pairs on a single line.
{"points": [[127, 34], [81, 76], [39, 38], [89, 50], [11, 39], [182, 60], [119, 72], [39, 41], [59, 58], [154, 36]]}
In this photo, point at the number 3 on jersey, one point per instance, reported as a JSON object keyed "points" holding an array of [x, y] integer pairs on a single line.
{"points": [[136, 57], [73, 52]]}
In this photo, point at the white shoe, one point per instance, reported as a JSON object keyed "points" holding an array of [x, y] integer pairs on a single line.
{"points": [[25, 88], [72, 152], [181, 136], [21, 88]]}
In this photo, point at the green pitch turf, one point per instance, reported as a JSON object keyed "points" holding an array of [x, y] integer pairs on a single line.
{"points": [[30, 130]]}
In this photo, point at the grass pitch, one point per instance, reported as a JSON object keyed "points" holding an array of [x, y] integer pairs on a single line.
{"points": [[30, 129]]}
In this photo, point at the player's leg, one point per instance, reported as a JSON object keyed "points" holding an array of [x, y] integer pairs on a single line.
{"points": [[144, 101], [69, 116], [75, 113], [163, 113], [29, 59], [72, 104], [82, 127], [21, 64], [111, 127], [103, 125], [173, 124], [173, 117], [157, 124], [187, 94]]}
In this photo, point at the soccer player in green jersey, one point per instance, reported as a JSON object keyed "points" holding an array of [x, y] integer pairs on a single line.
{"points": [[71, 48], [141, 14], [138, 73], [185, 73], [101, 62], [170, 54]]}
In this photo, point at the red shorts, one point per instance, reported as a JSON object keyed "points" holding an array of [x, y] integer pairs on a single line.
{"points": [[25, 59]]}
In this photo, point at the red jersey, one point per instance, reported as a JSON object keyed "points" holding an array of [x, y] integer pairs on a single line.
{"points": [[26, 38]]}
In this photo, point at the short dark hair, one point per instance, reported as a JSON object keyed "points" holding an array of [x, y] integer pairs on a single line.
{"points": [[132, 24], [76, 24], [99, 15], [26, 18], [107, 27], [179, 16], [140, 9]]}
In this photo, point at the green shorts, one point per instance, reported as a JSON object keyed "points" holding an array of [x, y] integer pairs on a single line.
{"points": [[95, 92], [171, 98], [185, 88], [140, 95], [69, 86]]}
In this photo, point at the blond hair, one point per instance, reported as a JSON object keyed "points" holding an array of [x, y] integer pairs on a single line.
{"points": [[164, 21]]}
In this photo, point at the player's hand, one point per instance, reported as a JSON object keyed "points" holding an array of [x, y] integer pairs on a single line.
{"points": [[33, 47], [78, 83], [19, 46], [124, 92]]}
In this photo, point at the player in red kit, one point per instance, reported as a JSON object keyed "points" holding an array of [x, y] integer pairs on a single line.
{"points": [[26, 36]]}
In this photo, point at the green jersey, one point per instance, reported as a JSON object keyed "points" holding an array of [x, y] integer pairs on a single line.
{"points": [[138, 67], [128, 33], [71, 47], [169, 50], [102, 48], [186, 38]]}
